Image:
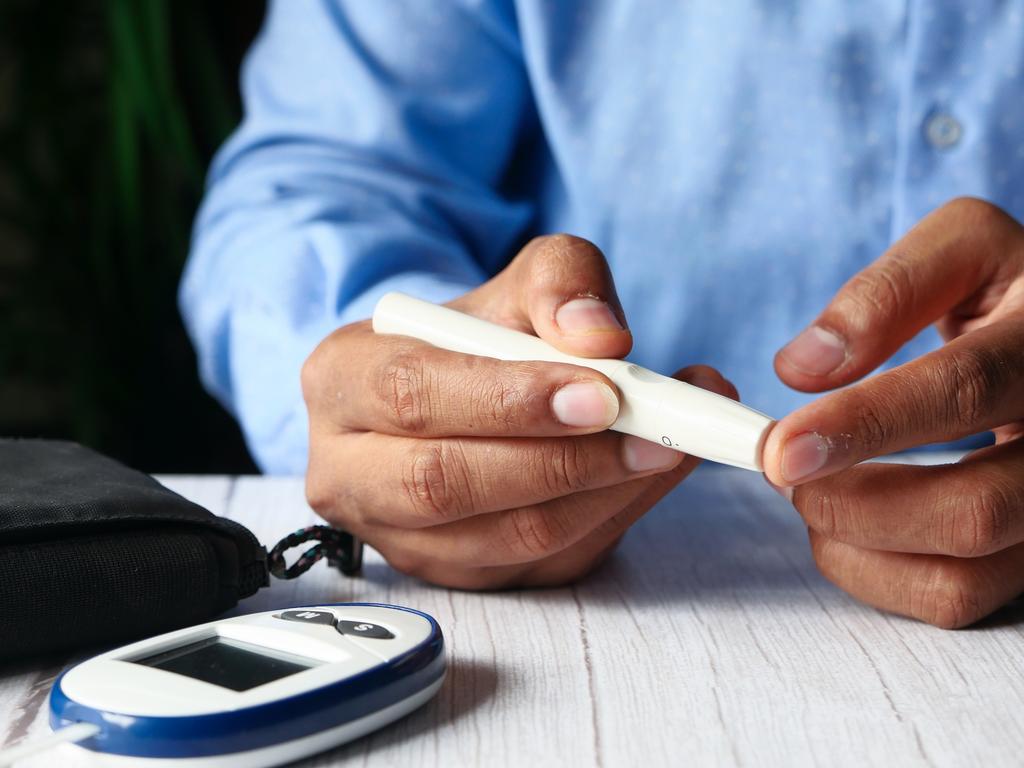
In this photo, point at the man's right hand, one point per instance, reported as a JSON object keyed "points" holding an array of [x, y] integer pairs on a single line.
{"points": [[478, 473]]}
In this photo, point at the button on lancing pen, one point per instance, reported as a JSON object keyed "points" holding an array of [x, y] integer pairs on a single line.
{"points": [[643, 374]]}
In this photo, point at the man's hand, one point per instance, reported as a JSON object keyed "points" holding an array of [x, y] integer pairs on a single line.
{"points": [[942, 544], [478, 473]]}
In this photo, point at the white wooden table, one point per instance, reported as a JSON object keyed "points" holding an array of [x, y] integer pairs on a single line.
{"points": [[709, 639]]}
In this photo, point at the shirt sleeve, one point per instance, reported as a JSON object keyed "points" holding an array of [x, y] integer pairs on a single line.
{"points": [[375, 139]]}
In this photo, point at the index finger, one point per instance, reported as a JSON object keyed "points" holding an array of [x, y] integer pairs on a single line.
{"points": [[968, 386], [359, 380]]}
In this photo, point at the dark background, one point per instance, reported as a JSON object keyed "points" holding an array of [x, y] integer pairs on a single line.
{"points": [[110, 111]]}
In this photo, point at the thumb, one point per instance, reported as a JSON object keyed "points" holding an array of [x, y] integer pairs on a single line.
{"points": [[936, 266], [560, 288]]}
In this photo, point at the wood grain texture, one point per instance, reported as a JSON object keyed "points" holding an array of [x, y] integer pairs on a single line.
{"points": [[708, 639]]}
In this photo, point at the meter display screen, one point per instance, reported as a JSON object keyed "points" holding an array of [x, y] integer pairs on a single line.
{"points": [[227, 664]]}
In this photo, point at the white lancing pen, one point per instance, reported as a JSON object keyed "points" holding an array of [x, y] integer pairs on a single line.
{"points": [[651, 406]]}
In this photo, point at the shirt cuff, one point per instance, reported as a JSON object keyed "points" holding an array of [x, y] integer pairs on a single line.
{"points": [[427, 286]]}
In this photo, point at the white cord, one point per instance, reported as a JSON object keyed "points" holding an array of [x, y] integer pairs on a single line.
{"points": [[70, 733]]}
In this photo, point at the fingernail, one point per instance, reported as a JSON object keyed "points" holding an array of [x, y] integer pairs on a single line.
{"points": [[586, 315], [585, 404], [802, 456], [641, 455], [815, 351], [785, 491]]}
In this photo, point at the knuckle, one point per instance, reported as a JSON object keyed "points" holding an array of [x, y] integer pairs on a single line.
{"points": [[824, 512], [880, 292], [318, 489], [562, 245], [312, 375], [565, 468], [404, 560], [319, 494], [982, 228], [331, 494], [564, 572], [974, 209], [404, 392], [970, 379], [321, 487], [818, 547], [533, 532], [615, 526], [468, 579], [435, 484], [951, 599], [872, 425], [309, 375], [501, 404], [981, 522], [316, 368], [822, 549], [554, 252]]}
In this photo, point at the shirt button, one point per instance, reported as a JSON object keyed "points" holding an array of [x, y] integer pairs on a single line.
{"points": [[943, 131]]}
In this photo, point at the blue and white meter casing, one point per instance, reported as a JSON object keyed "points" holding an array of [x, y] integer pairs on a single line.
{"points": [[256, 690]]}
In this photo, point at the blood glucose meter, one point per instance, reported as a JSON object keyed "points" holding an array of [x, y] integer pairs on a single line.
{"points": [[256, 690]]}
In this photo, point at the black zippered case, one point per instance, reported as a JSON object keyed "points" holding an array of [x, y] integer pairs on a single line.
{"points": [[92, 552]]}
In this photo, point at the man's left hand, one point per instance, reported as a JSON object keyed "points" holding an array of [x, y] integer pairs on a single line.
{"points": [[943, 544]]}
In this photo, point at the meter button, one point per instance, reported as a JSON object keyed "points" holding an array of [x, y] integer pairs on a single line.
{"points": [[309, 617], [364, 629]]}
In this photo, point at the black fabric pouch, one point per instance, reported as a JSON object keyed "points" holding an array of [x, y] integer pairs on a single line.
{"points": [[92, 552]]}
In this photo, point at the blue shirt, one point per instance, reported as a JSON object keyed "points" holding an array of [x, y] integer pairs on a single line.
{"points": [[736, 161]]}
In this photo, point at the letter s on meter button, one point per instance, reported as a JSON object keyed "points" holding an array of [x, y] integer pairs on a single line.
{"points": [[364, 629]]}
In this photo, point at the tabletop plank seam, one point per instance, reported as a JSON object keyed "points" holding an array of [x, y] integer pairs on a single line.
{"points": [[716, 682], [886, 691], [591, 692], [910, 651]]}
